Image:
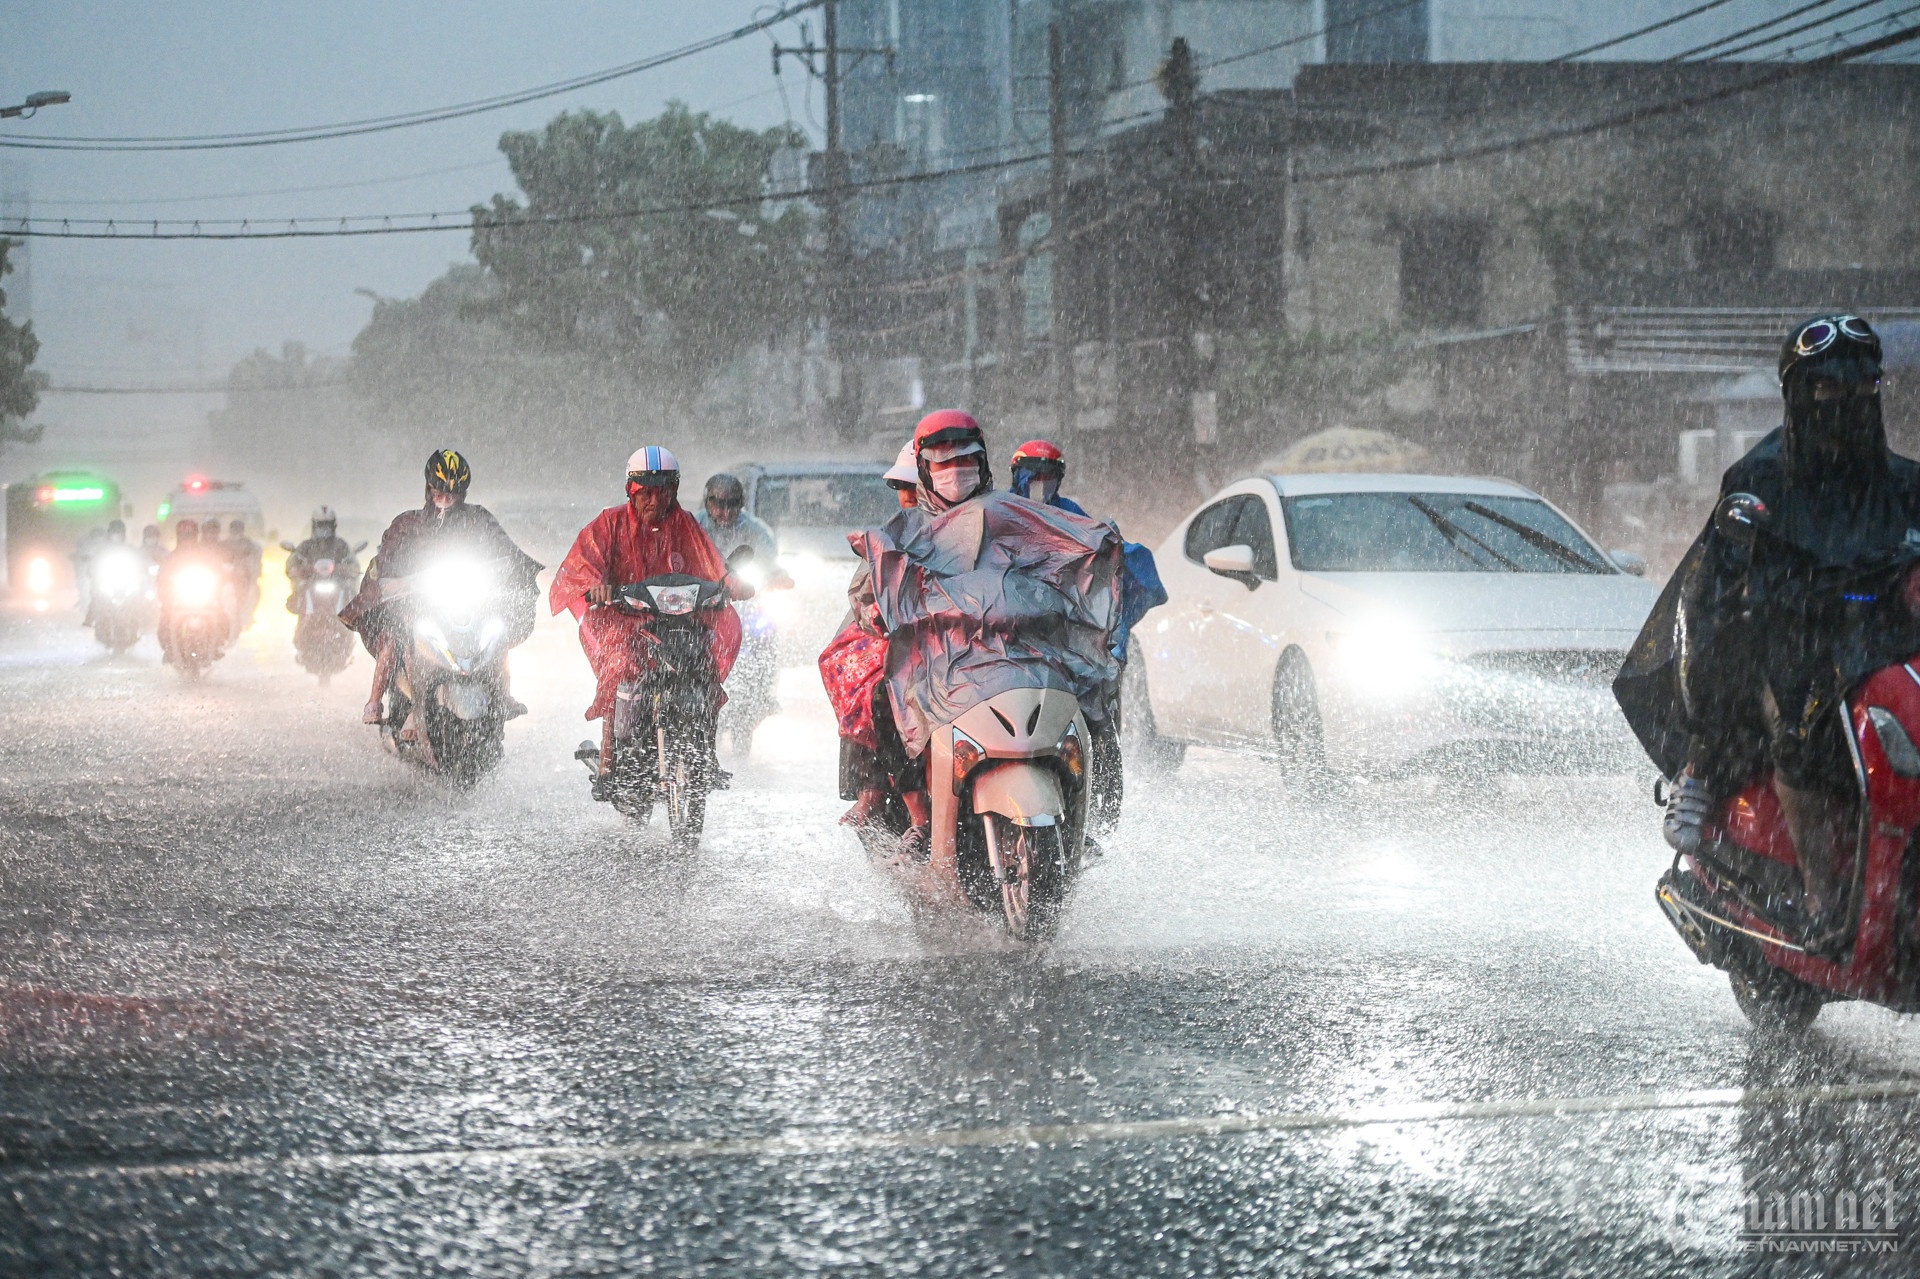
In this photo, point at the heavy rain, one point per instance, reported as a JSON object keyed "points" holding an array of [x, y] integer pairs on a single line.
{"points": [[951, 637]]}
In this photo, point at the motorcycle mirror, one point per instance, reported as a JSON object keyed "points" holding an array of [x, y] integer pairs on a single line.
{"points": [[359, 547], [288, 546], [741, 554], [1740, 517]]}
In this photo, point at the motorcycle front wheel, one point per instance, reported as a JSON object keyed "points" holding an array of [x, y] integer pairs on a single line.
{"points": [[1033, 877], [465, 749], [1776, 1003], [683, 785]]}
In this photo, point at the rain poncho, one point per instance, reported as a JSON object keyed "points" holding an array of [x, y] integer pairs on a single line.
{"points": [[994, 594], [1747, 653], [1140, 587], [617, 549]]}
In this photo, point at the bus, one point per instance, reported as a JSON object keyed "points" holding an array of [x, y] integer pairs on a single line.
{"points": [[46, 518], [201, 499]]}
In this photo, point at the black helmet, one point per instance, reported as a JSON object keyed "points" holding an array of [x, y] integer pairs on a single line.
{"points": [[725, 488], [210, 529], [1841, 345], [117, 530], [448, 472], [186, 531]]}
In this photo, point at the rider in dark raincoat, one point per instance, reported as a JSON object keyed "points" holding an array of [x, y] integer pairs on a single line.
{"points": [[1757, 638]]}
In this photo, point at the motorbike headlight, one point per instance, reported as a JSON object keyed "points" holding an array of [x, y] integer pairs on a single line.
{"points": [[1071, 752], [674, 600], [195, 587], [119, 575], [456, 586], [324, 588], [39, 575], [490, 633], [967, 755]]}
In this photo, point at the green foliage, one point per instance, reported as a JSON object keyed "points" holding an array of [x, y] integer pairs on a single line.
{"points": [[20, 384], [672, 294]]}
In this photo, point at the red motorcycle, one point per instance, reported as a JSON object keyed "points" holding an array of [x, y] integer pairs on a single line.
{"points": [[1737, 901]]}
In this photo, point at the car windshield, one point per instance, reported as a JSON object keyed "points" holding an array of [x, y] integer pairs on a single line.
{"points": [[1434, 533], [846, 500]]}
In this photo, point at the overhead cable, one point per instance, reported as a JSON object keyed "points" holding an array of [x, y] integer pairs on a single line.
{"points": [[406, 120], [1649, 29], [1734, 37]]}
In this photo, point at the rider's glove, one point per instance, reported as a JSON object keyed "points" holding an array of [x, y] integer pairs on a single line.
{"points": [[1689, 807]]}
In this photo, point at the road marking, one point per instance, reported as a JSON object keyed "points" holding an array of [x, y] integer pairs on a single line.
{"points": [[1016, 1135]]}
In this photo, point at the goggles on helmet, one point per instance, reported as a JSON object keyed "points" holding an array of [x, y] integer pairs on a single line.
{"points": [[1821, 334], [947, 452], [1041, 468]]}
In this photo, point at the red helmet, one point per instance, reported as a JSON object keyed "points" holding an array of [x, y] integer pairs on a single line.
{"points": [[1039, 450], [944, 427]]}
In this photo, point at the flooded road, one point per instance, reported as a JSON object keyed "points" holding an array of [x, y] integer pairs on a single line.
{"points": [[270, 1002]]}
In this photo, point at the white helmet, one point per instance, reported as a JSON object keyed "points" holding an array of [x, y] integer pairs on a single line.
{"points": [[324, 515], [653, 465], [905, 468]]}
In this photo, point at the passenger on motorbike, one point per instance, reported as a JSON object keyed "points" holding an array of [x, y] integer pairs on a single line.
{"points": [[950, 468], [323, 542], [1756, 640], [445, 522], [903, 477], [723, 518], [647, 535]]}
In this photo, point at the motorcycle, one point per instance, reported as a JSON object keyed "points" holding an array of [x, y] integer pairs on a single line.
{"points": [[1738, 902], [197, 629], [664, 724], [444, 711], [121, 596], [1008, 759], [320, 643]]}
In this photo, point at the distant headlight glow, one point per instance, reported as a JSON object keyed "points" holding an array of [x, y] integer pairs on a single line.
{"points": [[195, 587], [39, 576]]}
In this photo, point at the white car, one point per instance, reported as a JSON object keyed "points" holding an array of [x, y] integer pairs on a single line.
{"points": [[1370, 622]]}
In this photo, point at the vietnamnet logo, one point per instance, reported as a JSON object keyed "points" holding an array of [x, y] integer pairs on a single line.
{"points": [[1849, 1221]]}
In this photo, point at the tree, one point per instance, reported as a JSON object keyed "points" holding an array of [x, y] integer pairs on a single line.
{"points": [[20, 384], [672, 295]]}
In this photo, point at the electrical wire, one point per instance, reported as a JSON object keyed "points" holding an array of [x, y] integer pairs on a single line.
{"points": [[1734, 37], [1649, 29], [1792, 31], [406, 120]]}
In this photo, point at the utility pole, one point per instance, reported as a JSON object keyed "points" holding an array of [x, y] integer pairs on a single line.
{"points": [[1194, 407], [828, 175], [1065, 413]]}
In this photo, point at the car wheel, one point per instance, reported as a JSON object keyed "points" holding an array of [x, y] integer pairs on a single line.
{"points": [[1299, 738], [1141, 744]]}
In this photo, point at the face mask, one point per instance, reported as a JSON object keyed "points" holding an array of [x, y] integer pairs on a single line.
{"points": [[956, 483]]}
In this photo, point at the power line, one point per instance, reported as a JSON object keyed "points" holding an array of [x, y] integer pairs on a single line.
{"points": [[1623, 119], [381, 124], [1736, 36], [1794, 31], [382, 224], [1694, 12]]}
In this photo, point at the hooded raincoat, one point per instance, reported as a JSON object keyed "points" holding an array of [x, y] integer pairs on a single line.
{"points": [[1750, 649], [617, 549]]}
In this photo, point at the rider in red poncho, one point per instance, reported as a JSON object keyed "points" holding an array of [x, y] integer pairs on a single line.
{"points": [[650, 534]]}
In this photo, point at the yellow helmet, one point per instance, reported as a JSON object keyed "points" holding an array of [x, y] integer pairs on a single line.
{"points": [[449, 472]]}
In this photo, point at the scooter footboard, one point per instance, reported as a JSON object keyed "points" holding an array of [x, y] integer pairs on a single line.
{"points": [[1024, 793]]}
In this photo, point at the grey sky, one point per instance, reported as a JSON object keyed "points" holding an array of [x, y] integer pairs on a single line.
{"points": [[138, 314]]}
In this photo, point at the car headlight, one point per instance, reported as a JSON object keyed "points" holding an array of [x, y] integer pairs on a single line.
{"points": [[1383, 654], [967, 755], [195, 587]]}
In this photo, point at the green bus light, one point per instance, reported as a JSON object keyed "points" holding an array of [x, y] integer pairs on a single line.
{"points": [[78, 495], [166, 509]]}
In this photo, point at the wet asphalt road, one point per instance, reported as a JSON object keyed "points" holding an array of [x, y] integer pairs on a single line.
{"points": [[270, 1003]]}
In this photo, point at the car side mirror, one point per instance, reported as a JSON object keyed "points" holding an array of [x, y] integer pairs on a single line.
{"points": [[1740, 517], [741, 554], [288, 546], [1628, 562], [1234, 562]]}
